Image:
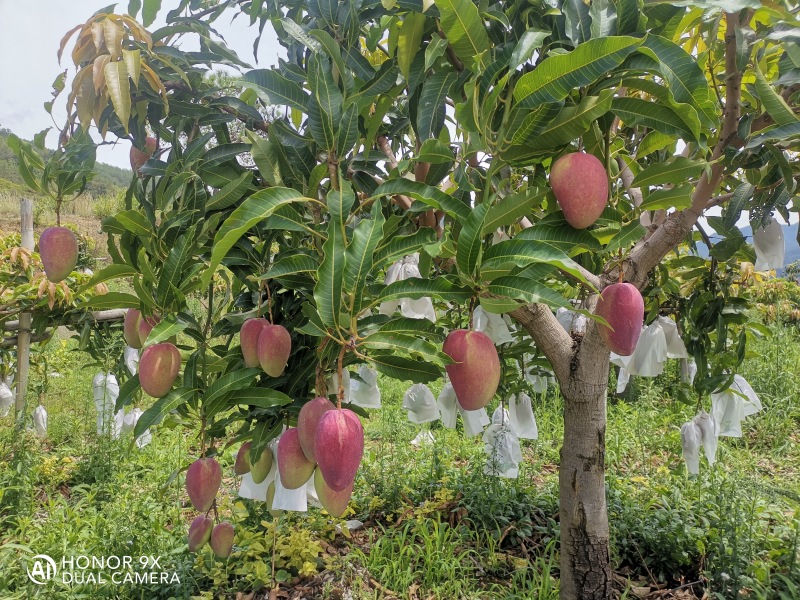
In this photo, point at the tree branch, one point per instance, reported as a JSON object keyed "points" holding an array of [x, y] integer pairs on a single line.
{"points": [[648, 253], [550, 337], [626, 175]]}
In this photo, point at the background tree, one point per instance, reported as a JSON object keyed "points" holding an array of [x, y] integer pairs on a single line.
{"points": [[424, 126]]}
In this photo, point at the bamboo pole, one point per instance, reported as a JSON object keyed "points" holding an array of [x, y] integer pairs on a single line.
{"points": [[25, 319], [99, 316]]}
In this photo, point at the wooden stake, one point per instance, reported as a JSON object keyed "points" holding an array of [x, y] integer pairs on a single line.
{"points": [[24, 332]]}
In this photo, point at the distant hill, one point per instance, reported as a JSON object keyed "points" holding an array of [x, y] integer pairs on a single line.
{"points": [[789, 236], [107, 180]]}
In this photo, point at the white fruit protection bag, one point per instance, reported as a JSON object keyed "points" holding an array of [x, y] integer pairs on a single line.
{"points": [[521, 417], [105, 388], [366, 393], [420, 404], [571, 321], [493, 325], [6, 399], [333, 384], [421, 308], [658, 341], [129, 421], [474, 420], [447, 404], [729, 408], [691, 438], [131, 358], [40, 420], [502, 446], [770, 247]]}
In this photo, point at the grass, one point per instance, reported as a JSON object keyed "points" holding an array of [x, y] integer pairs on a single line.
{"points": [[436, 526]]}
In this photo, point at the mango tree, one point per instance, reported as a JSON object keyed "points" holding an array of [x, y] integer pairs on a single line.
{"points": [[424, 126]]}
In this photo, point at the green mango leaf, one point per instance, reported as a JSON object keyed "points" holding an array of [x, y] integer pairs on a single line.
{"points": [[468, 248], [360, 255], [107, 274], [426, 194], [165, 329], [256, 208], [274, 88], [573, 121], [628, 235], [260, 397], [292, 265], [441, 287], [555, 230], [527, 128], [405, 344], [528, 43], [333, 50], [527, 290], [214, 399], [577, 21], [556, 76], [110, 300], [322, 125], [431, 112], [405, 369], [778, 133], [231, 193], [654, 115], [411, 327], [160, 409], [684, 76], [734, 207], [774, 104], [679, 197], [604, 19], [409, 40], [130, 220], [520, 252], [678, 169], [434, 50], [127, 392], [397, 246], [347, 135], [263, 433], [464, 28], [330, 277], [653, 142], [174, 268], [512, 208], [435, 152], [150, 11], [265, 158]]}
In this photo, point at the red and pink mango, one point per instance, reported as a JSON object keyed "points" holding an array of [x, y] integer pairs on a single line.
{"points": [[580, 185], [58, 249], [202, 483], [475, 374], [622, 307], [339, 446], [158, 368]]}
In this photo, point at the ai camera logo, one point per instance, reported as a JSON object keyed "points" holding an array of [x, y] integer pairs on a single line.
{"points": [[44, 569]]}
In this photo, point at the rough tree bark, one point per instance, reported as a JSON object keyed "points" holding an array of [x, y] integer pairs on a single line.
{"points": [[581, 365]]}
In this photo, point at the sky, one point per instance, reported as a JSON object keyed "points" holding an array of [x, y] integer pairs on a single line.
{"points": [[30, 33]]}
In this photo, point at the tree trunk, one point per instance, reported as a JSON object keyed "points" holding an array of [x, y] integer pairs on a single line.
{"points": [[581, 367], [585, 554]]}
